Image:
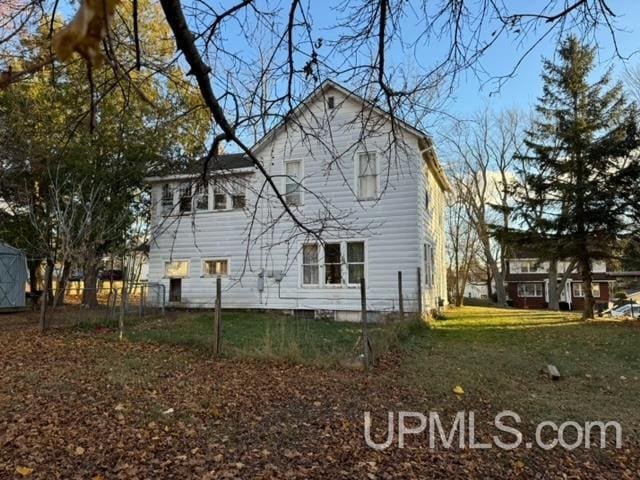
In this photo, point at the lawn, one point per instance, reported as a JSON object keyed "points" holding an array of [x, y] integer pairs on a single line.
{"points": [[77, 403]]}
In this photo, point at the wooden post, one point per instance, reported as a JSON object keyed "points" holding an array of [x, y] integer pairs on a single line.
{"points": [[400, 299], [44, 297], [366, 346], [124, 304], [419, 293], [216, 319]]}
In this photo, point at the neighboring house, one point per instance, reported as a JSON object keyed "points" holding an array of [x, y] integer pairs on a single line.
{"points": [[527, 282], [474, 289], [393, 200]]}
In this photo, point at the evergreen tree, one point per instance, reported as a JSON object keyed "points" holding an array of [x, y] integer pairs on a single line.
{"points": [[579, 163]]}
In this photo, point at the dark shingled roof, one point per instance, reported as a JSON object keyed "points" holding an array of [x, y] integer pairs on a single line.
{"points": [[227, 161]]}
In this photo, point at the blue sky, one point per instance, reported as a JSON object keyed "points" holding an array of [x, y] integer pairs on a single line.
{"points": [[522, 91]]}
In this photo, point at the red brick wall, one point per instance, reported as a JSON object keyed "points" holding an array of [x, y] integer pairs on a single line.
{"points": [[524, 302], [577, 303]]}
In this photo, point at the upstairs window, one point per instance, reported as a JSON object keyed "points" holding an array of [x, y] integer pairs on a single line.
{"points": [[213, 268], [332, 264], [166, 200], [331, 103], [185, 198], [310, 267], [355, 261], [239, 196], [202, 197], [292, 182], [367, 170], [219, 198]]}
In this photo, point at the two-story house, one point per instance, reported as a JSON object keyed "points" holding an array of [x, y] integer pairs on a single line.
{"points": [[527, 282], [374, 187]]}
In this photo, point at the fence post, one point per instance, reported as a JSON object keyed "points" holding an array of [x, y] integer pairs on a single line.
{"points": [[419, 293], [366, 346], [216, 318], [124, 304], [400, 299]]}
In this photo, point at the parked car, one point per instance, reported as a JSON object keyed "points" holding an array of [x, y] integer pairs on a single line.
{"points": [[627, 310]]}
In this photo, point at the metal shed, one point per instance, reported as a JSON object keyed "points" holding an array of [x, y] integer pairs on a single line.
{"points": [[13, 277]]}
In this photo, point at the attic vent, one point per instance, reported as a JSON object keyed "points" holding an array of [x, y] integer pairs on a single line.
{"points": [[330, 103]]}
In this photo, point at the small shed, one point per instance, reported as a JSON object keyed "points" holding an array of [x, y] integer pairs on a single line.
{"points": [[13, 277]]}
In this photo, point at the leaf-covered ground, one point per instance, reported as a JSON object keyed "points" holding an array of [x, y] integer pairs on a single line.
{"points": [[79, 405]]}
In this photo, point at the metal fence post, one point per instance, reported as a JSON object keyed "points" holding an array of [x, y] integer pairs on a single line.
{"points": [[366, 346], [400, 299], [419, 292], [216, 318]]}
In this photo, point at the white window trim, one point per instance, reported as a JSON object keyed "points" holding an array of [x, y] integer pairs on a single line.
{"points": [[214, 259], [531, 296], [320, 252], [344, 266], [356, 175], [300, 180], [177, 260], [593, 284], [173, 199]]}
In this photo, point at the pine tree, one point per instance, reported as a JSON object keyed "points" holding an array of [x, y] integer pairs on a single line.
{"points": [[579, 163]]}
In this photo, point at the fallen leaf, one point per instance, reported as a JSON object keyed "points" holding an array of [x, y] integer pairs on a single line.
{"points": [[458, 390], [79, 451], [24, 471]]}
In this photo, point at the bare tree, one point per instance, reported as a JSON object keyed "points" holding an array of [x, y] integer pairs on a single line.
{"points": [[482, 151]]}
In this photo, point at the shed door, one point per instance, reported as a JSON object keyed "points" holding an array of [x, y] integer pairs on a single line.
{"points": [[175, 289], [9, 282]]}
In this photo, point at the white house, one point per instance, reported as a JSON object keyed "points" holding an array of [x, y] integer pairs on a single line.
{"points": [[379, 203]]}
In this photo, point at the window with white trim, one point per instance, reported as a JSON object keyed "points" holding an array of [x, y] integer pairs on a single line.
{"points": [[176, 269], [292, 182], [332, 264], [202, 197], [166, 199], [238, 196], [578, 290], [310, 264], [355, 262], [185, 198], [532, 289], [367, 170], [219, 197], [215, 267]]}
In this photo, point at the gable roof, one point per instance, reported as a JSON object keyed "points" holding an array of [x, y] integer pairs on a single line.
{"points": [[425, 141]]}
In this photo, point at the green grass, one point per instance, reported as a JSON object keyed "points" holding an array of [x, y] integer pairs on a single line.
{"points": [[262, 335], [496, 356]]}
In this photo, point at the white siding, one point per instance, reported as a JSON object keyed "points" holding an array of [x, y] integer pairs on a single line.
{"points": [[392, 227]]}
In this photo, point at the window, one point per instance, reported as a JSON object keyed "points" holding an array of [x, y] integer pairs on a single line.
{"points": [[332, 264], [367, 176], [292, 183], [213, 268], [355, 261], [167, 199], [426, 200], [310, 267], [429, 274], [176, 269], [202, 197], [238, 197], [219, 198], [331, 103], [578, 291], [185, 198], [530, 289], [531, 266]]}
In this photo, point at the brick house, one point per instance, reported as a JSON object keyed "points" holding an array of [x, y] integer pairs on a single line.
{"points": [[527, 283]]}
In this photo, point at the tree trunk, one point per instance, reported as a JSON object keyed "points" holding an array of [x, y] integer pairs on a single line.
{"points": [[587, 291], [44, 324], [62, 285], [34, 266], [554, 294], [48, 294], [90, 294]]}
